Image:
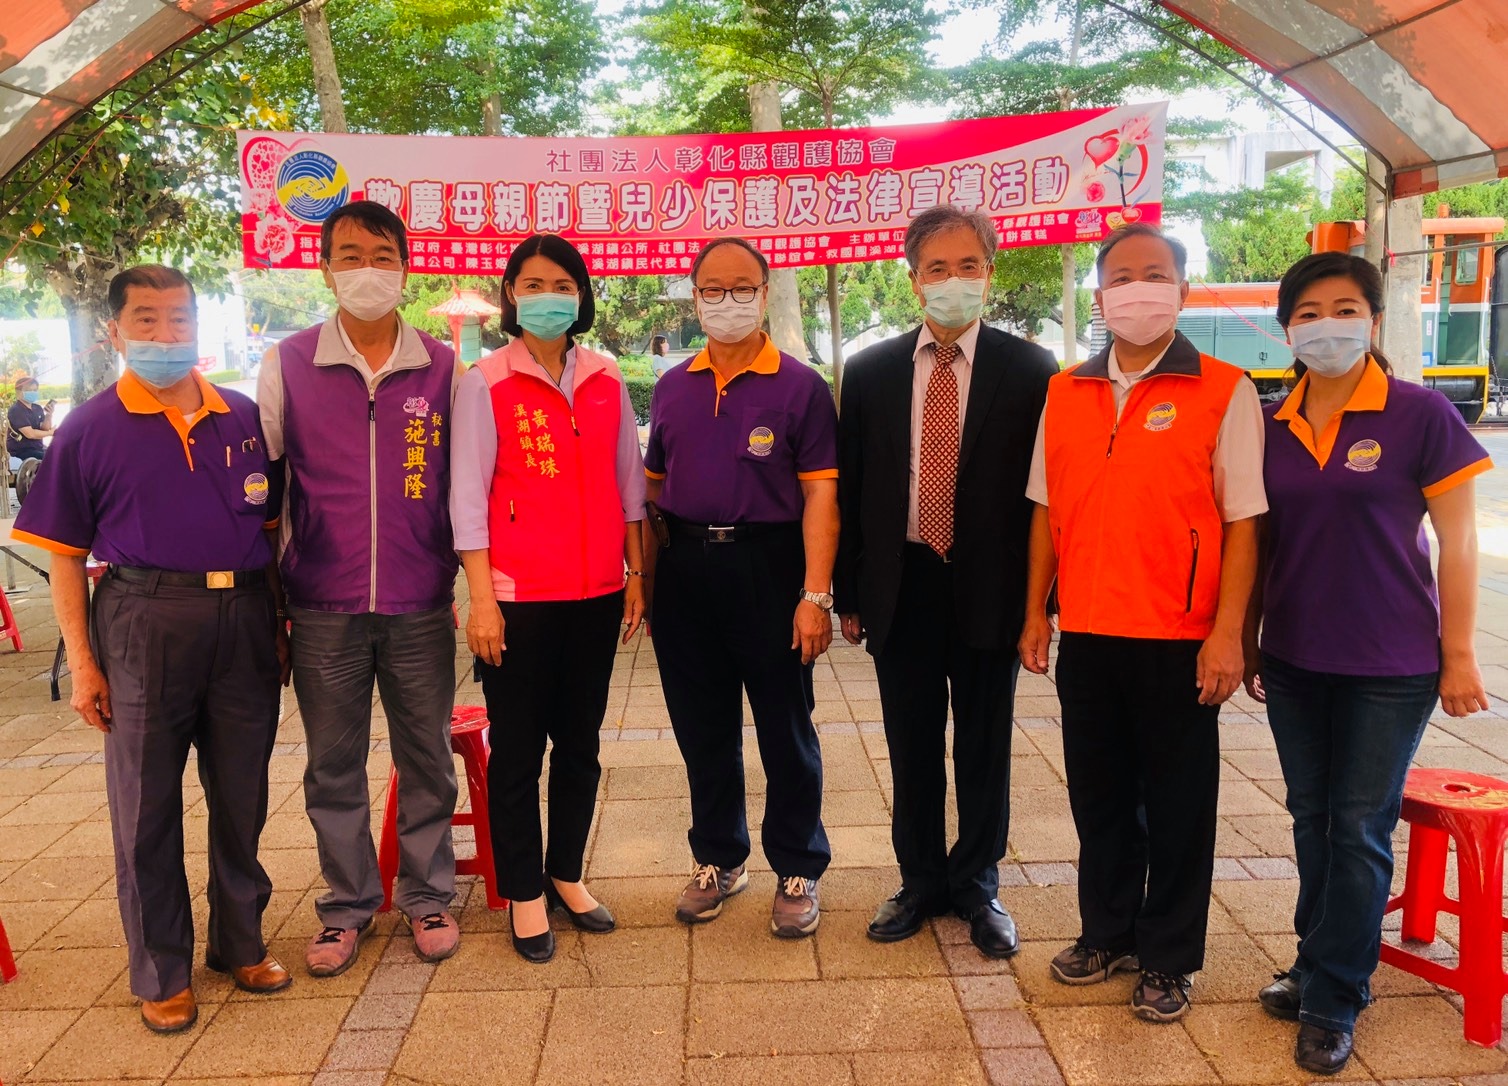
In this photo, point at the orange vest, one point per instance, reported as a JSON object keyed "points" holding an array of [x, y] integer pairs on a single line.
{"points": [[1131, 502]]}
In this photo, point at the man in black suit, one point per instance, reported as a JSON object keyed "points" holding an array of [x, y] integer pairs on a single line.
{"points": [[935, 440]]}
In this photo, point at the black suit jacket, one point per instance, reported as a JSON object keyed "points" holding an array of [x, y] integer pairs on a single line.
{"points": [[992, 515]]}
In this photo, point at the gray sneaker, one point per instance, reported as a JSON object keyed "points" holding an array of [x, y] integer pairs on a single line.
{"points": [[796, 912], [1084, 964], [1161, 997], [710, 886]]}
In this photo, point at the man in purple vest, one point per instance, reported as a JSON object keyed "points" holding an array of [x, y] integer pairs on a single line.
{"points": [[358, 410]]}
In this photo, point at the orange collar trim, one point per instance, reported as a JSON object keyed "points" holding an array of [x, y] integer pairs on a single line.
{"points": [[1370, 393], [138, 399], [767, 361]]}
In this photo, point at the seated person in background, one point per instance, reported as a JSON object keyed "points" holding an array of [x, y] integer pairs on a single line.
{"points": [[27, 422]]}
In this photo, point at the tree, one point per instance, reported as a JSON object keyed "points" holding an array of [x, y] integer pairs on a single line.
{"points": [[631, 308], [332, 107], [1254, 235], [160, 185], [460, 67], [845, 59], [875, 296], [1106, 60]]}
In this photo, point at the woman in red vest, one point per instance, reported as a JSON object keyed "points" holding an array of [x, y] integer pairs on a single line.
{"points": [[547, 502], [1358, 640]]}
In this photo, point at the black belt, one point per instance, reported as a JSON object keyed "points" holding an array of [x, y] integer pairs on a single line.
{"points": [[730, 533], [217, 579]]}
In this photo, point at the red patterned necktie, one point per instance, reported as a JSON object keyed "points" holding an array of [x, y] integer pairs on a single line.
{"points": [[938, 471]]}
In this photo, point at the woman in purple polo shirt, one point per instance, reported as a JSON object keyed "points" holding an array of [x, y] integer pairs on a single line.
{"points": [[1357, 641]]}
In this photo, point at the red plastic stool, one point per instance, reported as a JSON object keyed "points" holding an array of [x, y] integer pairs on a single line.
{"points": [[7, 959], [8, 626], [1440, 804], [468, 738]]}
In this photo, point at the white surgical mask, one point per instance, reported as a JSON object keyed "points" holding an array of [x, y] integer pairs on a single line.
{"points": [[368, 293], [1331, 345], [1139, 312], [729, 321], [955, 302]]}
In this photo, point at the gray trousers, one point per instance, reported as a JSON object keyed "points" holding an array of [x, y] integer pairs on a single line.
{"points": [[412, 657], [187, 666]]}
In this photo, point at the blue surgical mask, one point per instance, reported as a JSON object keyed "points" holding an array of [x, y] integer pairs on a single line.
{"points": [[161, 365], [32, 395], [1330, 346], [955, 302], [547, 316]]}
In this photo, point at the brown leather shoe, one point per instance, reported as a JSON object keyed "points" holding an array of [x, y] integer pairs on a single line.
{"points": [[265, 977], [172, 1015]]}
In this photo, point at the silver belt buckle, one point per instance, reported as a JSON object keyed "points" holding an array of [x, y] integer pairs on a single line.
{"points": [[220, 579], [720, 535]]}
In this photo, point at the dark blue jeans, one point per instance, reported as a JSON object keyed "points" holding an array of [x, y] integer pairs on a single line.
{"points": [[1345, 743]]}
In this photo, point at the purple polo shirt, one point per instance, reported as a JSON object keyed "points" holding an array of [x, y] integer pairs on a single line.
{"points": [[136, 483], [1348, 587], [736, 452]]}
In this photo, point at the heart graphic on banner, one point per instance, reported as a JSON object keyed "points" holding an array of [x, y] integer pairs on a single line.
{"points": [[1130, 214], [1102, 148]]}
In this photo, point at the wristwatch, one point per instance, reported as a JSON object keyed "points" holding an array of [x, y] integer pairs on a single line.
{"points": [[823, 600]]}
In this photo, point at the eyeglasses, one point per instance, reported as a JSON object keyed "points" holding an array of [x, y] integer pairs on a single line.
{"points": [[742, 295], [349, 262], [965, 271]]}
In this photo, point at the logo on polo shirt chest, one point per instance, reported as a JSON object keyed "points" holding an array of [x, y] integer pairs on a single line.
{"points": [[255, 487], [761, 441], [1363, 456], [1161, 416]]}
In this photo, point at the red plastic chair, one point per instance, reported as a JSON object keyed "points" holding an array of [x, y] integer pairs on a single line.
{"points": [[468, 738], [7, 959], [9, 628], [1441, 804]]}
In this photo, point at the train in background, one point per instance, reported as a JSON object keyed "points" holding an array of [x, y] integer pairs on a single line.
{"points": [[1464, 314]]}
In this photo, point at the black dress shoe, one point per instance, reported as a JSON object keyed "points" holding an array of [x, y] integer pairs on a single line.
{"points": [[1323, 1051], [532, 948], [991, 929], [597, 921], [903, 916], [1281, 998]]}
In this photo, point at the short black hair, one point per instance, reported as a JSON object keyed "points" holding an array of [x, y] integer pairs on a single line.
{"points": [[372, 217], [1143, 230], [658, 340], [1317, 266], [556, 248], [746, 246], [151, 276]]}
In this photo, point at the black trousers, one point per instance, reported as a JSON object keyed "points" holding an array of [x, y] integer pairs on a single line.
{"points": [[722, 627], [923, 659], [187, 666], [551, 684], [1143, 761]]}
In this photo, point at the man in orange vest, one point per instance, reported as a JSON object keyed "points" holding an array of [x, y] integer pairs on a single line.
{"points": [[1148, 480]]}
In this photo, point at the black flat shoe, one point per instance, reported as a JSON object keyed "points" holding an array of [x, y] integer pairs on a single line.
{"points": [[903, 916], [532, 948], [991, 929], [598, 921], [1323, 1051], [1281, 998]]}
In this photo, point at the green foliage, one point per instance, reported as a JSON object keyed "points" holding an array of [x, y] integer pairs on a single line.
{"points": [[845, 60], [635, 365], [631, 308], [871, 295], [440, 66], [278, 299], [158, 186], [19, 355], [1488, 199], [1026, 288], [640, 391], [224, 377]]}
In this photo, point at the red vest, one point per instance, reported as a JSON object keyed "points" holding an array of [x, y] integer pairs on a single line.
{"points": [[1132, 503], [554, 511]]}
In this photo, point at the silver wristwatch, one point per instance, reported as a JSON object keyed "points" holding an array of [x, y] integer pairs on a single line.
{"points": [[823, 600]]}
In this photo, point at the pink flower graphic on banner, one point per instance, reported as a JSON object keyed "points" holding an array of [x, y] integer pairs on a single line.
{"points": [[1094, 192], [1137, 130], [275, 237]]}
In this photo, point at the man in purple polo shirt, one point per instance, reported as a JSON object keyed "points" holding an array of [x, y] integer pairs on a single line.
{"points": [[358, 411], [165, 478], [743, 462]]}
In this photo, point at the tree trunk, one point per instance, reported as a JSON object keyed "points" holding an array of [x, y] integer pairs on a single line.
{"points": [[1070, 263], [332, 108], [85, 307], [492, 104], [785, 303]]}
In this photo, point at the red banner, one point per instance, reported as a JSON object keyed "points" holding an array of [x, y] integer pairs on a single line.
{"points": [[646, 205]]}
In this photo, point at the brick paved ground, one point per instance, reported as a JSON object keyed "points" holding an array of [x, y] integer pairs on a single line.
{"points": [[659, 1004]]}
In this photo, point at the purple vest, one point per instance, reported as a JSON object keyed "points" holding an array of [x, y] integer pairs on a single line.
{"points": [[369, 483]]}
